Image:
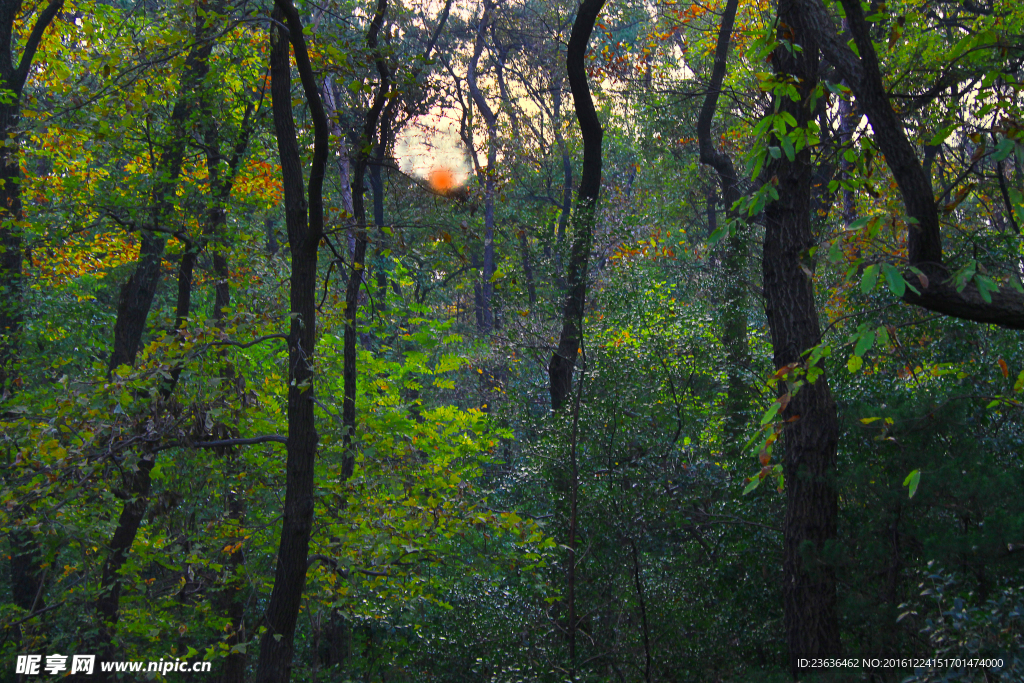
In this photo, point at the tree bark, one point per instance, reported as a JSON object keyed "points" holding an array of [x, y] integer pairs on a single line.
{"points": [[810, 441], [304, 215], [560, 368]]}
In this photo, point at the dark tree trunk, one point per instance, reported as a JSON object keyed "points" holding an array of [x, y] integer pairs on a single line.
{"points": [[136, 494], [809, 583], [355, 281], [138, 292], [27, 576], [560, 368], [377, 189], [13, 75], [485, 316], [231, 598], [524, 247], [638, 584], [734, 315], [304, 218], [138, 484]]}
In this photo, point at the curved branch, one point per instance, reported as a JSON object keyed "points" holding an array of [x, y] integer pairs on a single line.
{"points": [[714, 158], [42, 22]]}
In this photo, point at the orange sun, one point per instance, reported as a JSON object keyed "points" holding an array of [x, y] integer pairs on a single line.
{"points": [[442, 179]]}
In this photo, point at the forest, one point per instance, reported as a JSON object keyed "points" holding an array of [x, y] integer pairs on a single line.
{"points": [[456, 341]]}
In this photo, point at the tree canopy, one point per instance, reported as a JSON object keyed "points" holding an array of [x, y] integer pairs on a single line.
{"points": [[466, 340]]}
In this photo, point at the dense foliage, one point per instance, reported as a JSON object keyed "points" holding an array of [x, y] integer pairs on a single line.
{"points": [[404, 340]]}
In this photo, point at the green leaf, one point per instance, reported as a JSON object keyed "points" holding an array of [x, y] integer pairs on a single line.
{"points": [[770, 414], [835, 251], [787, 147], [718, 234], [943, 133], [912, 480], [854, 364], [1003, 149], [965, 275], [985, 286], [869, 278], [754, 483], [866, 341], [897, 285]]}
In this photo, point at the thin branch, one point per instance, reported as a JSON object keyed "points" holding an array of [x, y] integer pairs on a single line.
{"points": [[220, 443]]}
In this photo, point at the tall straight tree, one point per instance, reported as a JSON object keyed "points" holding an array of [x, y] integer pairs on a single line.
{"points": [[812, 426], [304, 216], [355, 280], [560, 368]]}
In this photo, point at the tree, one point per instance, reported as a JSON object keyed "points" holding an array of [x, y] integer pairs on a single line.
{"points": [[563, 361], [13, 76], [735, 325], [811, 430], [980, 301], [304, 215]]}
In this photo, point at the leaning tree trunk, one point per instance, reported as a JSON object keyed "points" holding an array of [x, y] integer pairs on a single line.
{"points": [[809, 581], [305, 221], [138, 292], [862, 72], [560, 368]]}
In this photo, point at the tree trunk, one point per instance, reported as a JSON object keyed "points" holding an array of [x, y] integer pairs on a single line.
{"points": [[138, 292], [809, 582], [734, 316], [27, 575], [348, 411], [489, 175], [12, 78], [305, 220], [560, 368], [524, 248]]}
